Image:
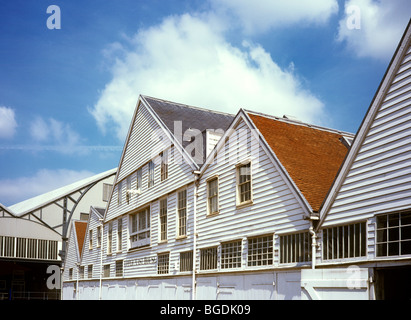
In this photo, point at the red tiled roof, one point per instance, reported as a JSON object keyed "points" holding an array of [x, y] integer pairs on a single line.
{"points": [[81, 228], [312, 157]]}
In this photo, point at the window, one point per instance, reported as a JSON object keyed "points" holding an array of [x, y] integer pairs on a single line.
{"points": [[70, 273], [110, 238], [186, 261], [106, 271], [212, 189], [42, 245], [151, 174], [128, 189], [208, 258], [342, 242], [32, 248], [119, 192], [21, 248], [295, 248], [163, 263], [140, 228], [90, 239], [81, 272], [182, 213], [244, 183], [90, 271], [99, 236], [163, 219], [119, 268], [107, 191], [394, 234], [139, 178], [260, 251], [164, 165], [119, 234], [231, 255]]}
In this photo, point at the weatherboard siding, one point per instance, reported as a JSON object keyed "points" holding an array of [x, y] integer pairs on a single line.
{"points": [[139, 151], [275, 209], [91, 256], [379, 178], [71, 256]]}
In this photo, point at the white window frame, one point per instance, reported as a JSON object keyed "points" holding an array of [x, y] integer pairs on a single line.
{"points": [[239, 167], [186, 261], [99, 236], [119, 234], [90, 240], [340, 241], [231, 254], [295, 247], [120, 192], [254, 254], [163, 219], [140, 230], [164, 165], [181, 215], [209, 258], [163, 263], [393, 235], [151, 174], [210, 210], [110, 238]]}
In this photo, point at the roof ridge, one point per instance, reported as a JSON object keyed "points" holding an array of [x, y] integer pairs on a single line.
{"points": [[298, 122], [189, 106]]}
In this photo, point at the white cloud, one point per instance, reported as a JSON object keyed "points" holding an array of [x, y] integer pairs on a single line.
{"points": [[186, 59], [44, 180], [259, 16], [8, 122], [374, 28], [55, 132]]}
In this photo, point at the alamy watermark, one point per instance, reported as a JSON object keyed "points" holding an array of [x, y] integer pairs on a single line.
{"points": [[353, 21], [54, 20]]}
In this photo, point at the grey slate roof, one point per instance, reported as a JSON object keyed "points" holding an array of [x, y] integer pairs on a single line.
{"points": [[190, 117]]}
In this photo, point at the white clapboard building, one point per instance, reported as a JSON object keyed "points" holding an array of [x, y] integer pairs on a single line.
{"points": [[365, 222], [208, 205]]}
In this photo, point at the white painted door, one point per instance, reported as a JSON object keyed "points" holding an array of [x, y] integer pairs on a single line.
{"points": [[289, 285], [335, 284]]}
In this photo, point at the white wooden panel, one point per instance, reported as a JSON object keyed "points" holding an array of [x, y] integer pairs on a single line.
{"points": [[379, 176], [335, 284]]}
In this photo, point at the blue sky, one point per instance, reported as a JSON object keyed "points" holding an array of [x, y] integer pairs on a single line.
{"points": [[67, 95]]}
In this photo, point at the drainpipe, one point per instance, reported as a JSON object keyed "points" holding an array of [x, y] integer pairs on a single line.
{"points": [[196, 174], [313, 244], [101, 258]]}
